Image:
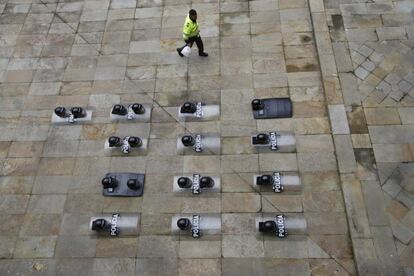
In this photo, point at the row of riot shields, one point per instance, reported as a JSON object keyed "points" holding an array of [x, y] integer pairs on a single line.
{"points": [[195, 225]]}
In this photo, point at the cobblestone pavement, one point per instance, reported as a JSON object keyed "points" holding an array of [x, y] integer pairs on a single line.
{"points": [[366, 52], [348, 68]]}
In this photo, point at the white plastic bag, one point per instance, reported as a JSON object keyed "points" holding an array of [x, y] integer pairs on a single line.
{"points": [[186, 51]]}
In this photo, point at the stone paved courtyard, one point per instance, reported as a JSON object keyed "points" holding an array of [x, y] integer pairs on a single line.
{"points": [[347, 65]]}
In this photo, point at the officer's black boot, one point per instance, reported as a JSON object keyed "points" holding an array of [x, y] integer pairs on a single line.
{"points": [[200, 47], [179, 52]]}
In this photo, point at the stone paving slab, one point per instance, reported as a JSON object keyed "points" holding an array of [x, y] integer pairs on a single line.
{"points": [[96, 54], [373, 52]]}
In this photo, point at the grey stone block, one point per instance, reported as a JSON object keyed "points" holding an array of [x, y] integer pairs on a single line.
{"points": [[361, 35], [200, 249], [157, 246], [391, 33], [394, 134], [35, 247], [368, 65], [314, 143], [156, 266], [406, 115], [405, 86], [326, 201], [237, 246], [199, 266], [39, 267], [243, 267], [16, 184], [355, 209], [374, 202], [76, 247], [393, 78], [406, 198], [392, 153], [391, 188], [113, 266], [7, 245], [40, 225], [384, 86], [361, 73], [339, 122], [13, 204], [367, 262], [47, 204], [410, 77], [342, 57], [57, 148], [48, 88], [326, 223], [350, 91], [386, 250], [31, 132], [400, 231], [396, 95], [283, 161], [294, 248], [357, 58], [344, 153], [78, 266]]}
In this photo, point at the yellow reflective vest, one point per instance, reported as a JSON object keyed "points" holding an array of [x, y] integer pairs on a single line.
{"points": [[190, 28]]}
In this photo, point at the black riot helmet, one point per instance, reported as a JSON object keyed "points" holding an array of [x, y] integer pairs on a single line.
{"points": [[183, 223], [109, 182], [206, 182], [133, 184], [262, 138], [60, 111], [188, 140], [119, 109], [267, 226], [78, 112], [257, 104], [114, 141], [184, 182], [98, 224], [265, 179], [134, 141], [138, 108], [188, 107]]}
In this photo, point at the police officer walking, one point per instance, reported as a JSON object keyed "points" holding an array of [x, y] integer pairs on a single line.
{"points": [[191, 34]]}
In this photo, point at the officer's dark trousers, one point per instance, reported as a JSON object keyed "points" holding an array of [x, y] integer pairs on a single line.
{"points": [[197, 40]]}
